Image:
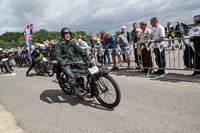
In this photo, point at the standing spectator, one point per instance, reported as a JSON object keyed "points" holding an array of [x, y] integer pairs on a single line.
{"points": [[169, 32], [194, 34], [125, 34], [180, 32], [80, 36], [51, 43], [108, 44], [135, 40], [97, 44], [133, 33], [125, 47], [115, 53], [91, 39], [102, 37], [83, 45], [158, 37], [102, 42], [145, 38]]}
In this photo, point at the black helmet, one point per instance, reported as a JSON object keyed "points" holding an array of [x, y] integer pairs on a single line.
{"points": [[64, 30], [198, 21]]}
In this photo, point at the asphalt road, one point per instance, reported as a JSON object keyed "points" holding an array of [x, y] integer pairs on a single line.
{"points": [[148, 105]]}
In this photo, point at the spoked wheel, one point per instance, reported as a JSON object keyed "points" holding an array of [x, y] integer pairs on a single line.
{"points": [[107, 91], [42, 69], [50, 69], [63, 85], [37, 69], [6, 68]]}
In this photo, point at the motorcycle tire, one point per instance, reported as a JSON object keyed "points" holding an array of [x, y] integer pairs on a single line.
{"points": [[104, 86]]}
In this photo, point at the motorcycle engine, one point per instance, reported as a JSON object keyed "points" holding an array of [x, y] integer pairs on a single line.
{"points": [[80, 81]]}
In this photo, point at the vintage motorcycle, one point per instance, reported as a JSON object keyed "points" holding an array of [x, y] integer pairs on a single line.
{"points": [[5, 66], [44, 66], [94, 80]]}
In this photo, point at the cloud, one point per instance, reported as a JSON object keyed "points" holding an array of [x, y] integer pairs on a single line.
{"points": [[92, 15]]}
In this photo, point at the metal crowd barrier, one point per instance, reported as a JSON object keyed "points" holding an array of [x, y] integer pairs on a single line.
{"points": [[178, 55]]}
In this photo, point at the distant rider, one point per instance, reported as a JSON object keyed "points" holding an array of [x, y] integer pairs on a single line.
{"points": [[36, 55], [5, 55]]}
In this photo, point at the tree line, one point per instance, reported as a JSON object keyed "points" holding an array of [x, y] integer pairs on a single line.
{"points": [[16, 39]]}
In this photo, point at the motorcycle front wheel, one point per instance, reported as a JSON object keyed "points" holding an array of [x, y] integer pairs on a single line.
{"points": [[6, 68], [50, 71], [107, 91]]}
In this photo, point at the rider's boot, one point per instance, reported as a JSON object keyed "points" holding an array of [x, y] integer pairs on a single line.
{"points": [[77, 90]]}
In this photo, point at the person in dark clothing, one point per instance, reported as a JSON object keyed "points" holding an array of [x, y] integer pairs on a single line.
{"points": [[5, 55], [194, 34], [35, 55], [180, 31], [108, 44], [91, 40], [135, 40]]}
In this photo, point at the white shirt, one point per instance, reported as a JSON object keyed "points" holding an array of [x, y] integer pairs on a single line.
{"points": [[158, 32], [84, 46], [195, 31]]}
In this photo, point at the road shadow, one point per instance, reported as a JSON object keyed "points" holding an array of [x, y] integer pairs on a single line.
{"points": [[131, 72], [177, 77], [168, 77], [58, 96], [31, 75]]}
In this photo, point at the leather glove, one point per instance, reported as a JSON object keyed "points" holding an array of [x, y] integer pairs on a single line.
{"points": [[64, 63]]}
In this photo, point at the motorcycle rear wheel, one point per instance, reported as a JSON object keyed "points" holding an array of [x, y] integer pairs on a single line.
{"points": [[63, 85]]}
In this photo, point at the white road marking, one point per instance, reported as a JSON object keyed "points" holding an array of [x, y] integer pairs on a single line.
{"points": [[22, 69], [12, 74]]}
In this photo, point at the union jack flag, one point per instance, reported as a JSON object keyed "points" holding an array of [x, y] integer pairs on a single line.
{"points": [[28, 33]]}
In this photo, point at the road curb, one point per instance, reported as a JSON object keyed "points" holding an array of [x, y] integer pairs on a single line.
{"points": [[8, 123]]}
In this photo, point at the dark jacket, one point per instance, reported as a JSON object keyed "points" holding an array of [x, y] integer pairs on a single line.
{"points": [[35, 54], [65, 51], [109, 42], [4, 55]]}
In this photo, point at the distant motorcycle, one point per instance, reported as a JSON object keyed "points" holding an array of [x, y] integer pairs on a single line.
{"points": [[44, 66], [94, 80], [5, 66]]}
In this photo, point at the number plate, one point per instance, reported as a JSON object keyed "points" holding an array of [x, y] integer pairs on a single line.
{"points": [[93, 70]]}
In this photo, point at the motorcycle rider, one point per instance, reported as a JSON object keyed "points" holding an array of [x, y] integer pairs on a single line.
{"points": [[36, 55], [5, 55], [65, 52]]}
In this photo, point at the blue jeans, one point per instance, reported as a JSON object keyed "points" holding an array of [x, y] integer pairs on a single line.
{"points": [[183, 40], [67, 71]]}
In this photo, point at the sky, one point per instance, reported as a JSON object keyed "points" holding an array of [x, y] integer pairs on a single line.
{"points": [[92, 16]]}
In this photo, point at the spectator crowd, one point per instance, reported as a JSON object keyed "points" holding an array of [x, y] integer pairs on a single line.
{"points": [[119, 47]]}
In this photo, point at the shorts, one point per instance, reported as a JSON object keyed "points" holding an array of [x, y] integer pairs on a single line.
{"points": [[114, 53], [127, 56]]}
